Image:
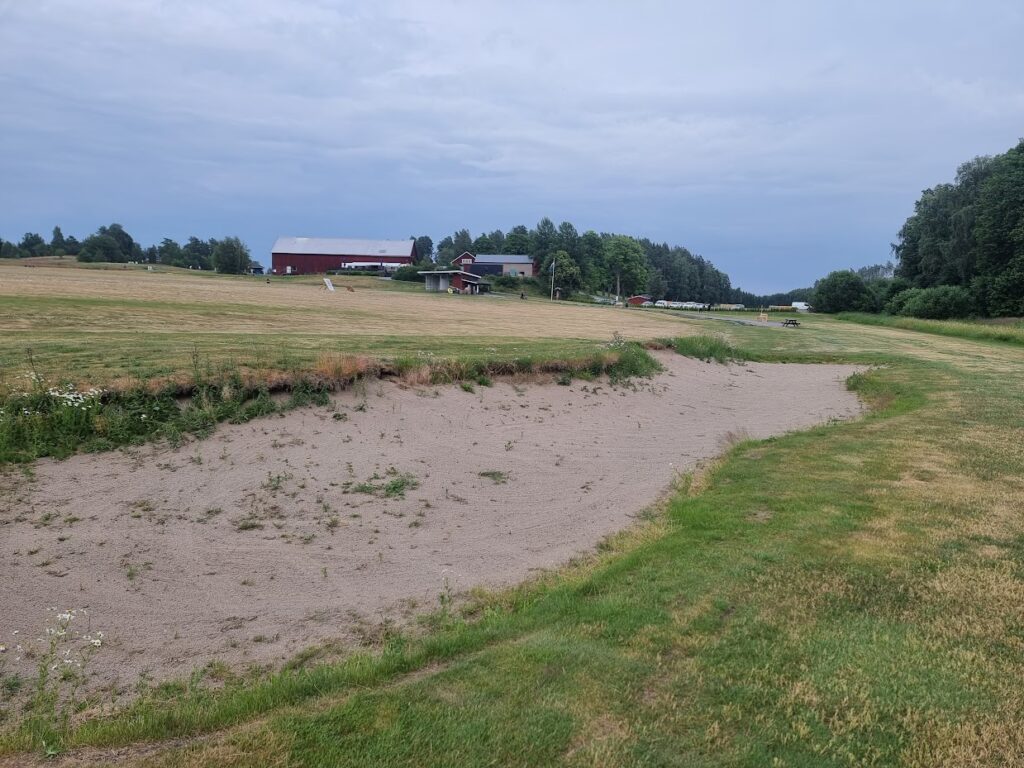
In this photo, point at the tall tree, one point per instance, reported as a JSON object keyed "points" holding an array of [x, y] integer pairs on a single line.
{"points": [[125, 242], [568, 240], [567, 275], [169, 252], [517, 241], [446, 250], [543, 240], [231, 256], [32, 244], [591, 261], [462, 242], [57, 242], [497, 238], [424, 247], [626, 264], [197, 253], [483, 244], [101, 248]]}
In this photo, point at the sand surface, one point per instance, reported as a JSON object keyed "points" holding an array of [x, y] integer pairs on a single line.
{"points": [[258, 542]]}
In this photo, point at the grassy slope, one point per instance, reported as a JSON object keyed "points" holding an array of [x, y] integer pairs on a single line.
{"points": [[849, 595]]}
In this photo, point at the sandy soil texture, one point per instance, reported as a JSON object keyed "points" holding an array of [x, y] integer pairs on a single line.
{"points": [[317, 524]]}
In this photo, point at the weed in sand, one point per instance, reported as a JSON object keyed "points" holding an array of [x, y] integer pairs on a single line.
{"points": [[274, 482], [393, 486], [495, 475]]}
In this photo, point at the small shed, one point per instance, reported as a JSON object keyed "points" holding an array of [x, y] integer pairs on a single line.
{"points": [[255, 268], [638, 300], [455, 280]]}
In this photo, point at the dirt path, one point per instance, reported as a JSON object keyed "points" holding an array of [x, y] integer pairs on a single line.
{"points": [[319, 524]]}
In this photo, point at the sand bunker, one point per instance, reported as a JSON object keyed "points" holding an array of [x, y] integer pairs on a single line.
{"points": [[292, 530]]}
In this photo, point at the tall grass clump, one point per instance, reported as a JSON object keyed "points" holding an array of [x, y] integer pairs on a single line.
{"points": [[707, 348], [633, 361]]}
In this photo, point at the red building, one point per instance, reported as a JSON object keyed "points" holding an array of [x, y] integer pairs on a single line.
{"points": [[639, 300], [313, 255]]}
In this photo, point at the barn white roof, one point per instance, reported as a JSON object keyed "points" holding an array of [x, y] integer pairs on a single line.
{"points": [[340, 246]]}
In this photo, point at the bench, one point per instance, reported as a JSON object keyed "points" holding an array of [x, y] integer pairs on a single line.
{"points": [[790, 322]]}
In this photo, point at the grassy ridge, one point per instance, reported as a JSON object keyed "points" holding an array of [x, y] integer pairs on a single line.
{"points": [[48, 420]]}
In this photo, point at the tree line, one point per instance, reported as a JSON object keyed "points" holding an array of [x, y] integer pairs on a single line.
{"points": [[113, 244], [594, 262], [961, 252]]}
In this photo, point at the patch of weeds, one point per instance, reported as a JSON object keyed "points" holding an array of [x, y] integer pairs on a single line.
{"points": [[484, 381], [707, 348], [564, 380], [248, 524], [633, 362], [209, 514], [393, 486], [497, 476], [274, 482], [133, 571], [467, 386]]}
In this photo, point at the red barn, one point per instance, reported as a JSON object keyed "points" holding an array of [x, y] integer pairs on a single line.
{"points": [[313, 255]]}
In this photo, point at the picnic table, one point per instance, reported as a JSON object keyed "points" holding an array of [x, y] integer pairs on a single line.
{"points": [[790, 322]]}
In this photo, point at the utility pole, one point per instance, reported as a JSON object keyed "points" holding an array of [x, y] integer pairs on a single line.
{"points": [[552, 278]]}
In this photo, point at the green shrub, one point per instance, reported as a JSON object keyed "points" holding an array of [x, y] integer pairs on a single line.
{"points": [[894, 306], [410, 273], [939, 303]]}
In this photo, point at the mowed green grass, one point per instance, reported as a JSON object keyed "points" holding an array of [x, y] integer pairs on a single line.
{"points": [[848, 595]]}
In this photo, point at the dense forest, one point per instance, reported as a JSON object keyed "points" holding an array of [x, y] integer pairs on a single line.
{"points": [[961, 253], [971, 234], [592, 262], [113, 244]]}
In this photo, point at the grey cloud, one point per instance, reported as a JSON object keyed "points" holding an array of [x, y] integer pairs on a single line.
{"points": [[730, 123]]}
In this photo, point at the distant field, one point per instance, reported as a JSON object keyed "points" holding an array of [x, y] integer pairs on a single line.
{"points": [[92, 325]]}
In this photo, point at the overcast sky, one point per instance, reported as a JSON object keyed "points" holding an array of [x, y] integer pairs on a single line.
{"points": [[779, 140]]}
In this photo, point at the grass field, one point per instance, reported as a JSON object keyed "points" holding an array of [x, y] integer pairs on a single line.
{"points": [[93, 326], [848, 596]]}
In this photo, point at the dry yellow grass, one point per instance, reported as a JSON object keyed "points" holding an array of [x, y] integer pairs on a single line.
{"points": [[176, 301], [93, 327]]}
